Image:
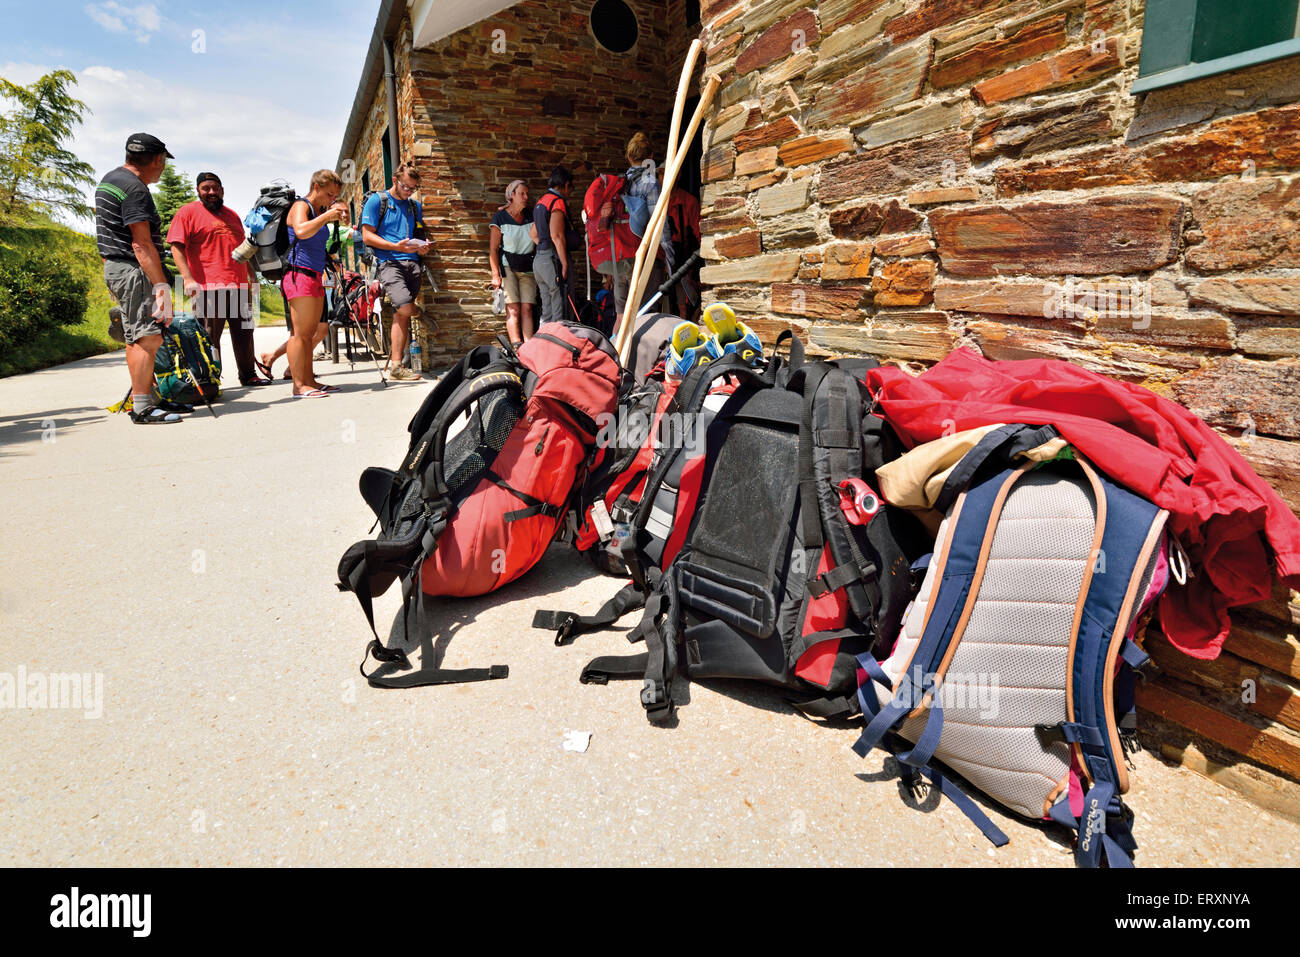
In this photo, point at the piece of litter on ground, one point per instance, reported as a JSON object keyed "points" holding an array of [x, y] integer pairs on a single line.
{"points": [[577, 741]]}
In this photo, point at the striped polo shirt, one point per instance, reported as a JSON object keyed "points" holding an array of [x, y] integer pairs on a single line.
{"points": [[120, 200]]}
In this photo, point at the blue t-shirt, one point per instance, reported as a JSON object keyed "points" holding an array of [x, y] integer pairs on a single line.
{"points": [[398, 223]]}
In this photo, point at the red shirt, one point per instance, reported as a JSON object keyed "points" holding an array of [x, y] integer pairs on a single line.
{"points": [[209, 239]]}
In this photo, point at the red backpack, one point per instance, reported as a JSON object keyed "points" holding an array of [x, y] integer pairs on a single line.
{"points": [[496, 452], [603, 243]]}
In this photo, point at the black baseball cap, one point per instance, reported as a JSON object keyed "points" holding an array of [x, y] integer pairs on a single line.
{"points": [[204, 177], [145, 143]]}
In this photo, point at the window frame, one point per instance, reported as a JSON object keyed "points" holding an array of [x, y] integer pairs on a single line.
{"points": [[1182, 14]]}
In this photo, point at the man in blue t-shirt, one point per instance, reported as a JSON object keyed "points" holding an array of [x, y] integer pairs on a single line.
{"points": [[396, 241]]}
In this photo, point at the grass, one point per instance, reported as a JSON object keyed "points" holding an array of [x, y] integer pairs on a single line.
{"points": [[60, 343], [272, 307], [89, 337]]}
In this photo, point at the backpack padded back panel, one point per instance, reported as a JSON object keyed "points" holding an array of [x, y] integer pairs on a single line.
{"points": [[734, 573], [1039, 590], [1009, 671]]}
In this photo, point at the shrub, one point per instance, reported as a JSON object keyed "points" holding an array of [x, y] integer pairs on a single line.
{"points": [[39, 291]]}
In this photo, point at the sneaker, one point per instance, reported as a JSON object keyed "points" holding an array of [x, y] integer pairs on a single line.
{"points": [[152, 415], [688, 347], [732, 336], [403, 374]]}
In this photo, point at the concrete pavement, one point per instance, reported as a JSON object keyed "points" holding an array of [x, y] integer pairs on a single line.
{"points": [[190, 568]]}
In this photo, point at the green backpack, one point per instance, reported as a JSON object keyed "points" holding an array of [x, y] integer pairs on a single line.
{"points": [[184, 357]]}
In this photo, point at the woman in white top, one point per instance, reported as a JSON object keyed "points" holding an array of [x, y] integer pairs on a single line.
{"points": [[510, 255]]}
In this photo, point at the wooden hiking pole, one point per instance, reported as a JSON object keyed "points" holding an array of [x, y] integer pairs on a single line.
{"points": [[679, 108], [650, 241]]}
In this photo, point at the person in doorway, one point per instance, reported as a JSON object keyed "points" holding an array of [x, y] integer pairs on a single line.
{"points": [[555, 236], [202, 236], [641, 196], [684, 221], [129, 242], [510, 256]]}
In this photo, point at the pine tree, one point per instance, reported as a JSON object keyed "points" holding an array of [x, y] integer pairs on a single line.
{"points": [[37, 174], [174, 191]]}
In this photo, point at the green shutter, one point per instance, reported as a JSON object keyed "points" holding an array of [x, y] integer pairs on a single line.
{"points": [[1187, 39], [388, 161], [1167, 35]]}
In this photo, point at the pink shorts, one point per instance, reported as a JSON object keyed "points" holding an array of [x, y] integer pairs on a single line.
{"points": [[296, 285]]}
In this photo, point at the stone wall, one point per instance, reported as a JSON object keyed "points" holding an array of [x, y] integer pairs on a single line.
{"points": [[904, 177], [471, 109]]}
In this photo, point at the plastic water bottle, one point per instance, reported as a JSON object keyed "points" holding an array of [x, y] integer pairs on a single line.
{"points": [[415, 356]]}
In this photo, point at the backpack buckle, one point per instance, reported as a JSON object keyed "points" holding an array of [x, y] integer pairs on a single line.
{"points": [[563, 633], [1049, 734]]}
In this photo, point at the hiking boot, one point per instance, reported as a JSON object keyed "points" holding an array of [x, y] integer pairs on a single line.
{"points": [[403, 374], [732, 336], [152, 415], [689, 346]]}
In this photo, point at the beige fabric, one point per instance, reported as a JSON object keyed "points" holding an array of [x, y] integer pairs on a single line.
{"points": [[915, 479]]}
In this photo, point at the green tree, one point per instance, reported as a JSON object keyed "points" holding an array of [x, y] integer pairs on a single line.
{"points": [[37, 173], [174, 191]]}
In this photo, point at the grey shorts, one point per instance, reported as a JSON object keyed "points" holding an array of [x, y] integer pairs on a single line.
{"points": [[400, 279], [134, 294]]}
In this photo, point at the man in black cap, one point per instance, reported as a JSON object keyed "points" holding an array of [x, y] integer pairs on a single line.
{"points": [[202, 236], [127, 236]]}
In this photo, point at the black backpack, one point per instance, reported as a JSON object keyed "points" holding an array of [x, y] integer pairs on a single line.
{"points": [[747, 574], [272, 241]]}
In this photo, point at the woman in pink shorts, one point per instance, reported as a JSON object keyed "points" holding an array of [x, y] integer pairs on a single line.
{"points": [[303, 283]]}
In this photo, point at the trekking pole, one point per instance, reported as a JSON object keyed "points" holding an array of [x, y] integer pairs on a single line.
{"points": [[587, 236], [361, 333], [350, 307], [433, 287], [668, 283], [189, 370]]}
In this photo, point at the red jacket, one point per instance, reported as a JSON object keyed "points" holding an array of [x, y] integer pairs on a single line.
{"points": [[1221, 511]]}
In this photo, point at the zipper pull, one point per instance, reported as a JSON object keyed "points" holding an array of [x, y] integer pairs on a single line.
{"points": [[542, 441]]}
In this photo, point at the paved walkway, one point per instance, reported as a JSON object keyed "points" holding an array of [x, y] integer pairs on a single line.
{"points": [[192, 568]]}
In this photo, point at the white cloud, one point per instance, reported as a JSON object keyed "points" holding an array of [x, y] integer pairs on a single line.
{"points": [[105, 19], [115, 17], [246, 138]]}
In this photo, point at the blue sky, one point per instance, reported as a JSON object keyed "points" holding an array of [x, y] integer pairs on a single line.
{"points": [[252, 91]]}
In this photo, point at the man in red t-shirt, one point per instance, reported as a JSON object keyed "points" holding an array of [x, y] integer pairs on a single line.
{"points": [[202, 236]]}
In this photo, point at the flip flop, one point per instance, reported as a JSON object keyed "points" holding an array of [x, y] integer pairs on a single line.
{"points": [[263, 368], [313, 394], [330, 388]]}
